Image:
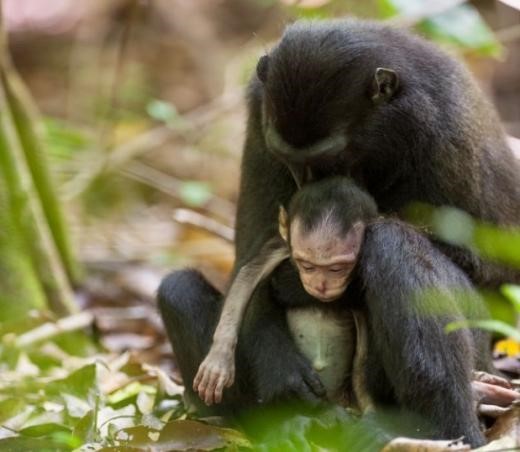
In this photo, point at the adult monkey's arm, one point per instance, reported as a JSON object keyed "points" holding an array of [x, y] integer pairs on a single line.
{"points": [[277, 367]]}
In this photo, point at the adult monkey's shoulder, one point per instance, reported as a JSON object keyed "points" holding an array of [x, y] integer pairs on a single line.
{"points": [[405, 119]]}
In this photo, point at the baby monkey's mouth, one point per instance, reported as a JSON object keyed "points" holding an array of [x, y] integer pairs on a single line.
{"points": [[328, 296]]}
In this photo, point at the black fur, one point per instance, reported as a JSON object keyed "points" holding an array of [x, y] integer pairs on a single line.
{"points": [[412, 361], [433, 138], [190, 308], [409, 292]]}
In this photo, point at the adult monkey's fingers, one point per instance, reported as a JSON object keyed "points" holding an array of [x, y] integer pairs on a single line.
{"points": [[493, 394], [491, 379]]}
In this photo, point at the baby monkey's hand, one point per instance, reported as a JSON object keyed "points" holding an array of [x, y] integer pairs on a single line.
{"points": [[216, 372]]}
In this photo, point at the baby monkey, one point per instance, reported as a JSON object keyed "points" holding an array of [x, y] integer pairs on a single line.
{"points": [[322, 240], [327, 232]]}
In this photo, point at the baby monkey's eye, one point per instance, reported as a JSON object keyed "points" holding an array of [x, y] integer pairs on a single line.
{"points": [[336, 269], [307, 267]]}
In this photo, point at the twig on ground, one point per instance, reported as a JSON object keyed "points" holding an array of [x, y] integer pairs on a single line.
{"points": [[50, 330], [186, 216], [149, 140], [173, 186]]}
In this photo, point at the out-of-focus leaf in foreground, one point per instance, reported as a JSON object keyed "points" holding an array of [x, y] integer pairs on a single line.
{"points": [[460, 26]]}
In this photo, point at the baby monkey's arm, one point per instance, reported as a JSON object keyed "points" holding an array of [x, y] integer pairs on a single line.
{"points": [[218, 368]]}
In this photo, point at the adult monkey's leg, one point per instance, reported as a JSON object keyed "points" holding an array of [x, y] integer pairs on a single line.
{"points": [[412, 292], [277, 367]]}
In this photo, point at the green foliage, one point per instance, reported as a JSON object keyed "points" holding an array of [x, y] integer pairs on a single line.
{"points": [[459, 228], [327, 9], [195, 193], [512, 293], [34, 236], [161, 111], [490, 243], [62, 139], [494, 326], [165, 112], [24, 122], [461, 26], [97, 402]]}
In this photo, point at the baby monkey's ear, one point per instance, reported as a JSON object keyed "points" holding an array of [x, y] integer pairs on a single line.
{"points": [[283, 223], [355, 237]]}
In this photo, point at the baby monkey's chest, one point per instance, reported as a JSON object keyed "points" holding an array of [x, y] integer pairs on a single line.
{"points": [[328, 339]]}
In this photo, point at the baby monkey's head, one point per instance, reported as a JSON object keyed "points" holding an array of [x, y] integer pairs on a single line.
{"points": [[324, 229]]}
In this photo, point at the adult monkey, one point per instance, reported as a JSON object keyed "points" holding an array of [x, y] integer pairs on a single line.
{"points": [[403, 119]]}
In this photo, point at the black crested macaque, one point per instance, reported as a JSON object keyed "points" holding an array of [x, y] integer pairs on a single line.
{"points": [[406, 121], [340, 249], [402, 118], [324, 257]]}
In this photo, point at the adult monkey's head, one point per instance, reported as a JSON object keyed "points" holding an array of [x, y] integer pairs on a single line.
{"points": [[320, 85]]}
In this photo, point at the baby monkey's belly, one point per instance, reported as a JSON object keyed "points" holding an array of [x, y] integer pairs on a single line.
{"points": [[327, 337]]}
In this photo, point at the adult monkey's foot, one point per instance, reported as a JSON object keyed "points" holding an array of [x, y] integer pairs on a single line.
{"points": [[492, 390]]}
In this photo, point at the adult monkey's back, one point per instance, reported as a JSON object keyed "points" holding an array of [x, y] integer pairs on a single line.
{"points": [[404, 119]]}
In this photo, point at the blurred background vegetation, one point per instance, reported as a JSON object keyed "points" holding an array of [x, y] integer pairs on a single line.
{"points": [[121, 127]]}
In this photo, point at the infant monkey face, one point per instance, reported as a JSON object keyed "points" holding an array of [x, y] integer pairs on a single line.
{"points": [[326, 283], [324, 259]]}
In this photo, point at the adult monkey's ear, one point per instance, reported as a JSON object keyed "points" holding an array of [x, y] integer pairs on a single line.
{"points": [[262, 68], [384, 85], [283, 223]]}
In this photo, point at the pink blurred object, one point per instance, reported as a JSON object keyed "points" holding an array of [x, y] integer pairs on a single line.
{"points": [[514, 143], [512, 3], [52, 16]]}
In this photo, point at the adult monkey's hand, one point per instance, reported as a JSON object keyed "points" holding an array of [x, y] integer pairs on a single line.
{"points": [[491, 389]]}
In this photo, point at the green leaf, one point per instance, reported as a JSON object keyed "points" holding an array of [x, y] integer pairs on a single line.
{"points": [[502, 245], [85, 429], [9, 408], [195, 193], [495, 326], [31, 444], [512, 292], [47, 429], [80, 383], [129, 391], [183, 435], [162, 111], [66, 438], [63, 140], [391, 8], [463, 27]]}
